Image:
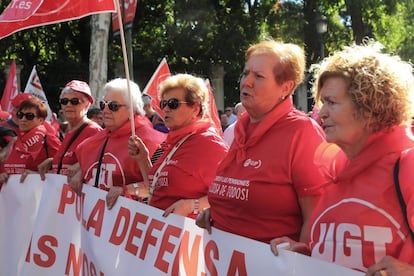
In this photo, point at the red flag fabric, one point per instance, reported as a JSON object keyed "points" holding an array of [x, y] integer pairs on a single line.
{"points": [[213, 109], [128, 9], [161, 73], [10, 90], [23, 14]]}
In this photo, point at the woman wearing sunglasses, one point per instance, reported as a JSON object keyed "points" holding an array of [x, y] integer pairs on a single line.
{"points": [[34, 143], [75, 100], [180, 178], [103, 158]]}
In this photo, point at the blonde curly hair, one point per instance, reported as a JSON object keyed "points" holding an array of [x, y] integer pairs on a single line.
{"points": [[380, 85]]}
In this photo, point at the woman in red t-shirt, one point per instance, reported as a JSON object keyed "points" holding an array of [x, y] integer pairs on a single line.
{"points": [[267, 184], [75, 100], [180, 179], [34, 144], [366, 106]]}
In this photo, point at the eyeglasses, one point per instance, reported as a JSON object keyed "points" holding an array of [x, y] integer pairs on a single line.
{"points": [[172, 103], [29, 115], [73, 101], [112, 105]]}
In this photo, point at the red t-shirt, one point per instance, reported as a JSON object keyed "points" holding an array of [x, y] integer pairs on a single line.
{"points": [[191, 169], [256, 190], [359, 220], [29, 150], [69, 156], [118, 168]]}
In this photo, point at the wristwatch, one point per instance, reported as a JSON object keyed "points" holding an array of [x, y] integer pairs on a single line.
{"points": [[136, 190], [196, 206]]}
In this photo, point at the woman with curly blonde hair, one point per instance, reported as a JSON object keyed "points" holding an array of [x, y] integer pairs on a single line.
{"points": [[366, 109]]}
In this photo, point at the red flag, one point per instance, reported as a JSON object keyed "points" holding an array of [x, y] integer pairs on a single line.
{"points": [[10, 90], [128, 9], [213, 109], [23, 14], [152, 88]]}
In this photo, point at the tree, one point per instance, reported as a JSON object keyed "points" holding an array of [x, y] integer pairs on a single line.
{"points": [[98, 61]]}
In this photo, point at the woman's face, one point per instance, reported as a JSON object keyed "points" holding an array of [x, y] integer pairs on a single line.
{"points": [[259, 91], [74, 112], [115, 119], [338, 117], [181, 116], [27, 119]]}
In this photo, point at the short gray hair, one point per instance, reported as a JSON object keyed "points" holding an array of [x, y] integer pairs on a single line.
{"points": [[120, 84]]}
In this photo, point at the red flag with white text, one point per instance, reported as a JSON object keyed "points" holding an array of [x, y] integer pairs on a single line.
{"points": [[213, 109], [23, 14], [34, 87], [161, 73], [10, 90]]}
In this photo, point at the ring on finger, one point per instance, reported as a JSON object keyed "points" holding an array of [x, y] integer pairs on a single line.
{"points": [[383, 272]]}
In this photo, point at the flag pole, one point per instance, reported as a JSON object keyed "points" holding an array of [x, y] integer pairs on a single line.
{"points": [[144, 168], [125, 58]]}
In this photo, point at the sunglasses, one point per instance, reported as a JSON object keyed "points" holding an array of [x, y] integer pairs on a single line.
{"points": [[73, 101], [29, 115], [112, 105], [172, 103]]}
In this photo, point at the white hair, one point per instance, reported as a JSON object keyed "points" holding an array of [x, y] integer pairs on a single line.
{"points": [[120, 84]]}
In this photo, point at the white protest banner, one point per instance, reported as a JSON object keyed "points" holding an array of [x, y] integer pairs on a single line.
{"points": [[56, 231], [18, 210], [134, 238]]}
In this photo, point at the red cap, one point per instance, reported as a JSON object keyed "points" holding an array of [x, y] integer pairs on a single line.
{"points": [[82, 87], [20, 98]]}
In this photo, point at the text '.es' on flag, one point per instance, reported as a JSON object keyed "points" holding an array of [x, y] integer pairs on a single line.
{"points": [[23, 14]]}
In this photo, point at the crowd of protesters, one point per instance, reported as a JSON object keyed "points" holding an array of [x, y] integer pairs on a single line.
{"points": [[291, 180]]}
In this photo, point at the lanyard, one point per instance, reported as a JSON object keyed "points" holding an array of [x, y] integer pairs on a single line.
{"points": [[165, 162], [98, 170]]}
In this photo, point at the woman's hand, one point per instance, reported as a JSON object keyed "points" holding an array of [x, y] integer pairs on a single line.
{"points": [[137, 150], [289, 244], [112, 196], [44, 167], [390, 266], [25, 174], [204, 220], [182, 207], [3, 178], [75, 181]]}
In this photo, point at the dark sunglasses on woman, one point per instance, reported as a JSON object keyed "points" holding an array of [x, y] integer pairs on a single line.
{"points": [[29, 115], [112, 105], [73, 101], [172, 103]]}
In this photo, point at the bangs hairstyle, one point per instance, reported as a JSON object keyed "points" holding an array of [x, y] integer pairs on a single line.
{"points": [[196, 90], [380, 85], [290, 59], [33, 102]]}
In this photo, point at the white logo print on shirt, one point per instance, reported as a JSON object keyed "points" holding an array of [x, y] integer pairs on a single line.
{"points": [[255, 164]]}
